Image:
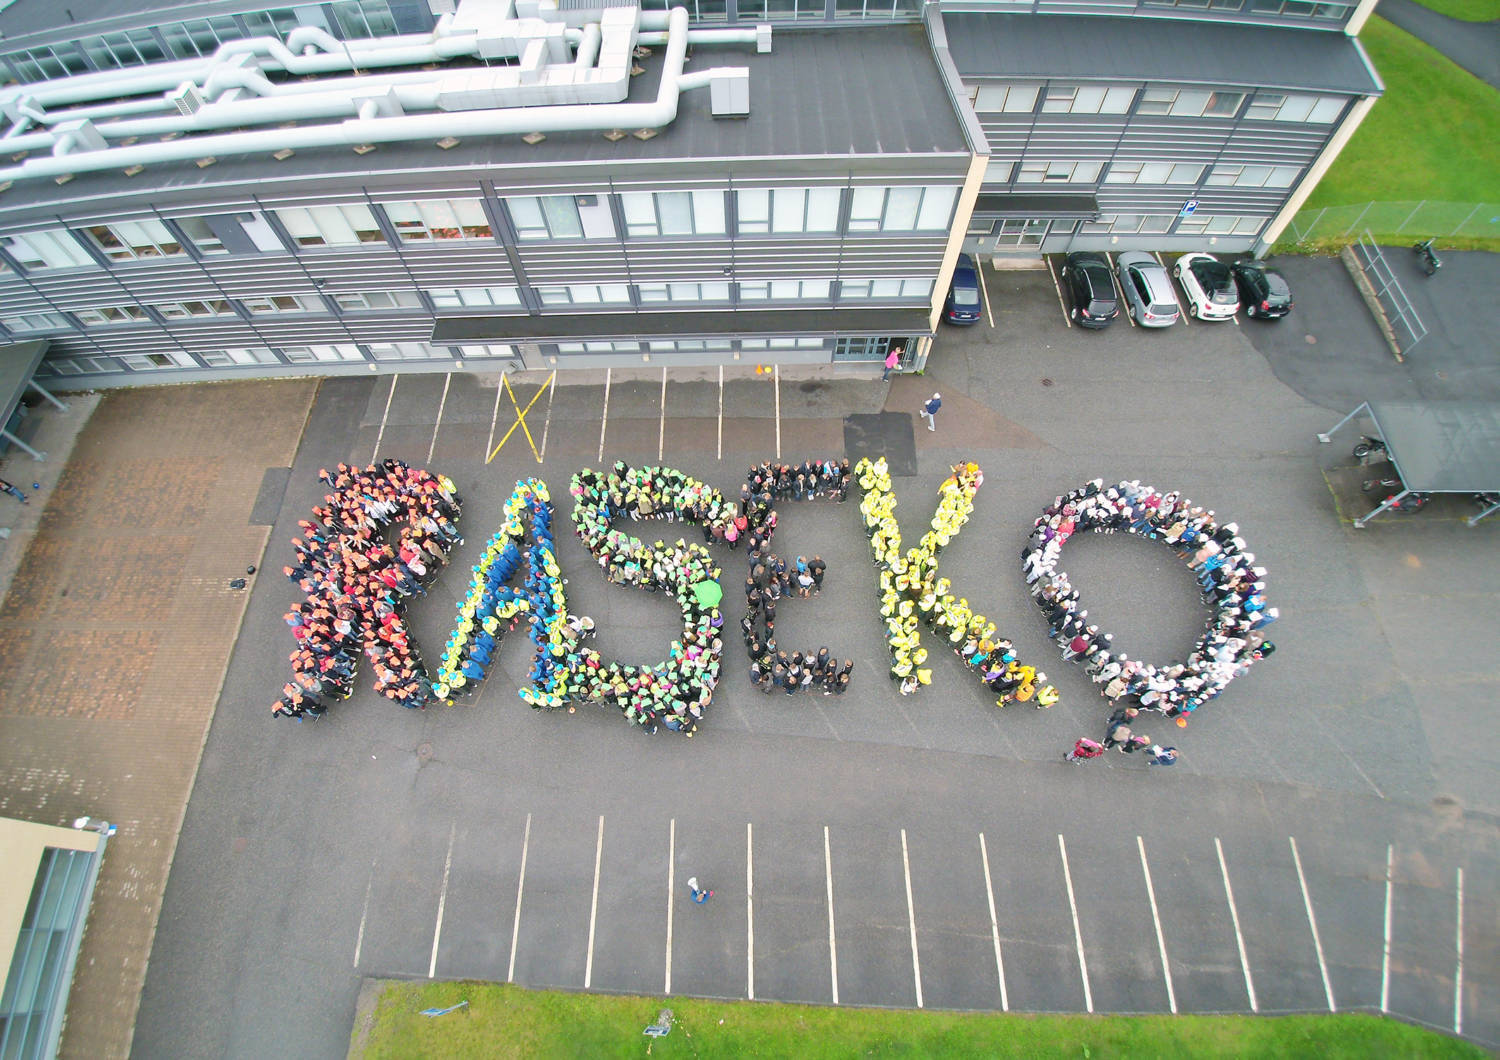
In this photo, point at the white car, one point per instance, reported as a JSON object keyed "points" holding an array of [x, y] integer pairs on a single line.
{"points": [[1210, 288]]}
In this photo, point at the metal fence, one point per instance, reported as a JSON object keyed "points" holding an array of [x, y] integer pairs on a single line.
{"points": [[1440, 220]]}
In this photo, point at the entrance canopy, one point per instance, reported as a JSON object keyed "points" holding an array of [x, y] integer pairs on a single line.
{"points": [[18, 363], [1437, 446]]}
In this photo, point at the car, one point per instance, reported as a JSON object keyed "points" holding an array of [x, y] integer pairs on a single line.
{"points": [[1091, 289], [1148, 290], [1263, 290], [962, 306], [1209, 286]]}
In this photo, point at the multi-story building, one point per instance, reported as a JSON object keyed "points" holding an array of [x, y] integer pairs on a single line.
{"points": [[369, 184]]}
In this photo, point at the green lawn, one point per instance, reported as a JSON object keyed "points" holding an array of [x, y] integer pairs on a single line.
{"points": [[1434, 135], [1468, 10], [505, 1020]]}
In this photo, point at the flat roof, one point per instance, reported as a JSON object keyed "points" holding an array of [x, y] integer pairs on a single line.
{"points": [[1441, 446], [1112, 48], [656, 325], [18, 363], [818, 95]]}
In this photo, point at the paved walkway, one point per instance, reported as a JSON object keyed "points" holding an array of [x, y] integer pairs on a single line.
{"points": [[114, 637], [1473, 45]]}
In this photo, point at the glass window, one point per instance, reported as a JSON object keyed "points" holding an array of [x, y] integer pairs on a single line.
{"points": [[560, 216], [56, 249], [128, 240], [668, 213], [202, 236], [901, 209], [284, 303], [1061, 172], [36, 322], [787, 210], [404, 351], [488, 350], [110, 314], [308, 354], [598, 347], [455, 297], [684, 292], [213, 307], [1153, 173], [355, 301], [438, 219], [800, 343], [784, 290], [886, 287], [584, 294], [1010, 99], [331, 226], [238, 355], [1087, 99]]}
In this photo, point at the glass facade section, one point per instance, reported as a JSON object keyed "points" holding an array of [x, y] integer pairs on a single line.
{"points": [[673, 213], [538, 217], [128, 240], [439, 219], [331, 226], [56, 249], [787, 210], [458, 297]]}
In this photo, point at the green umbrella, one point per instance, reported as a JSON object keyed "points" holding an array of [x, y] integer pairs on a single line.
{"points": [[708, 592]]}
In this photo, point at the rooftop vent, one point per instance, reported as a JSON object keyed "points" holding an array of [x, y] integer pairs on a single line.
{"points": [[187, 99]]}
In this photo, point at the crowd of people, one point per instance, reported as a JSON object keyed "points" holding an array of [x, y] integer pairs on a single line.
{"points": [[912, 592], [1231, 584], [372, 544], [772, 578]]}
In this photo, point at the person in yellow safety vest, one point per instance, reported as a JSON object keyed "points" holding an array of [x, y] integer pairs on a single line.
{"points": [[1046, 697]]}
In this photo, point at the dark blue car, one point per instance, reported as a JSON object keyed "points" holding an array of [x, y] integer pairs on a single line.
{"points": [[962, 306]]}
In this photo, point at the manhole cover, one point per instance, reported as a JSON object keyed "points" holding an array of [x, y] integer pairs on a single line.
{"points": [[424, 752]]}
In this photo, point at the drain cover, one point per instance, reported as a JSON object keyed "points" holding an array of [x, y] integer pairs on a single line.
{"points": [[424, 752]]}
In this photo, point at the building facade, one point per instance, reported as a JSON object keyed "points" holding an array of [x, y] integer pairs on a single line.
{"points": [[365, 185]]}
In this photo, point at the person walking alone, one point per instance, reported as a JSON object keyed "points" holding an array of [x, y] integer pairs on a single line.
{"points": [[891, 360], [6, 487], [700, 895], [929, 410], [1085, 748]]}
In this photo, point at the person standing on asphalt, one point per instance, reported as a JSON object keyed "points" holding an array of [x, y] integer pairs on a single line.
{"points": [[14, 492], [1162, 756], [1085, 748], [929, 410], [700, 895]]}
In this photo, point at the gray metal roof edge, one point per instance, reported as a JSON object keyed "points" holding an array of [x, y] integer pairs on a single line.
{"points": [[1364, 57], [937, 36], [20, 361]]}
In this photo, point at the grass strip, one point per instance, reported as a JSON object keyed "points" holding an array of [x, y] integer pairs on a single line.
{"points": [[501, 1021]]}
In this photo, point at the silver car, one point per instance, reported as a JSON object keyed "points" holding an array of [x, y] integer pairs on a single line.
{"points": [[1148, 290]]}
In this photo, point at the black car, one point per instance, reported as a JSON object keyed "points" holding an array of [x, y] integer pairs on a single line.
{"points": [[962, 306], [1263, 291], [1091, 289]]}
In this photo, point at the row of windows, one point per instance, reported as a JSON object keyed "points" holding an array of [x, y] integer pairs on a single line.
{"points": [[1284, 8], [1172, 102], [577, 294], [1029, 232], [1067, 171], [856, 348], [535, 218], [198, 37]]}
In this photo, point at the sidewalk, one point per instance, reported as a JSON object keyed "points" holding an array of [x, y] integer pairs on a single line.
{"points": [[114, 636]]}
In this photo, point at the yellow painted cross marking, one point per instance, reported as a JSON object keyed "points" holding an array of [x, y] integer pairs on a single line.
{"points": [[521, 416]]}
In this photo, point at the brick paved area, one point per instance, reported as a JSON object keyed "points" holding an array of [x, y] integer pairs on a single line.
{"points": [[114, 636]]}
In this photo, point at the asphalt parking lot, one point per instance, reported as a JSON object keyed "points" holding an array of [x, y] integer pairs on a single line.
{"points": [[382, 842]]}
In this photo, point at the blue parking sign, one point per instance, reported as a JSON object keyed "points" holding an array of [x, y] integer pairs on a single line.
{"points": [[1188, 207]]}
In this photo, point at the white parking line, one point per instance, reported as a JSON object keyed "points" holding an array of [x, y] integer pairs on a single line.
{"points": [[661, 430], [1161, 942], [749, 917], [381, 433], [547, 423], [604, 417], [911, 920], [720, 449], [1083, 966], [1458, 971], [489, 446], [443, 404], [359, 940], [984, 290], [437, 930], [1385, 960], [671, 894], [1313, 924], [989, 891], [1239, 939], [776, 375], [1182, 316], [515, 928], [1057, 286], [833, 953], [588, 965], [1120, 290]]}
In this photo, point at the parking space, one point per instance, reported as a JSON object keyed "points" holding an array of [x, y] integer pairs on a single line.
{"points": [[792, 960]]}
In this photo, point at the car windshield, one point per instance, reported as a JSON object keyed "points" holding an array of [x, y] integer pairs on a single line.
{"points": [[966, 295]]}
